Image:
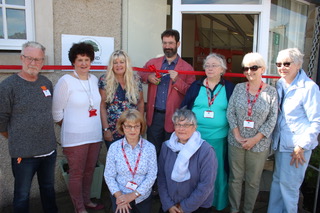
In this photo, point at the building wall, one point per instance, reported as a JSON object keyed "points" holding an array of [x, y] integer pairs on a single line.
{"points": [[143, 23], [136, 26], [53, 18]]}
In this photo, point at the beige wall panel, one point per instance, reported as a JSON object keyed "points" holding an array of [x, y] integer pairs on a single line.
{"points": [[144, 21], [53, 18], [86, 17]]}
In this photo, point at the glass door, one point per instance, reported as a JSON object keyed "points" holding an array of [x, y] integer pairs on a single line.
{"points": [[229, 29], [231, 35]]}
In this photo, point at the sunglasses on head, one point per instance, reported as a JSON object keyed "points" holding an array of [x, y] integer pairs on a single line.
{"points": [[285, 64], [253, 68]]}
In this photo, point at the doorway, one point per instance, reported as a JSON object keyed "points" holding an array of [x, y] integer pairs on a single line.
{"points": [[231, 29], [231, 35]]}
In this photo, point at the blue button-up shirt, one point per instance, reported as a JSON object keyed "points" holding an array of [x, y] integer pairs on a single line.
{"points": [[163, 87], [299, 116], [117, 173]]}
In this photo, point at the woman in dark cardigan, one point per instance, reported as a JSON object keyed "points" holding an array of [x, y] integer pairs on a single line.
{"points": [[208, 99]]}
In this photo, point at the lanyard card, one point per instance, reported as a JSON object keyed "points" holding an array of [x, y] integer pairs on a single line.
{"points": [[131, 185], [208, 114], [45, 91], [248, 124]]}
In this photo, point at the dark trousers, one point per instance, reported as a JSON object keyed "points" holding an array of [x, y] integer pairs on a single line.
{"points": [[23, 173], [156, 133], [142, 207], [199, 210], [108, 143]]}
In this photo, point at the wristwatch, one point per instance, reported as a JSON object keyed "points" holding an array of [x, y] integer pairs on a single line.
{"points": [[136, 193], [105, 129]]}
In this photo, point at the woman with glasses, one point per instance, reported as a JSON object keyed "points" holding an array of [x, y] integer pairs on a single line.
{"points": [[208, 99], [296, 132], [120, 89], [76, 102], [131, 166], [252, 114], [187, 168]]}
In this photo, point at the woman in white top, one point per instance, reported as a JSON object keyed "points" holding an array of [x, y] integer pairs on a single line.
{"points": [[76, 107]]}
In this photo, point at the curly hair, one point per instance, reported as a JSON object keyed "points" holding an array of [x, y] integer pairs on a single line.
{"points": [[130, 79], [81, 48]]}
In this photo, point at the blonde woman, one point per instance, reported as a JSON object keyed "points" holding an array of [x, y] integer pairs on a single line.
{"points": [[120, 89]]}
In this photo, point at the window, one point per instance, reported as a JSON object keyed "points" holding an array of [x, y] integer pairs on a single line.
{"points": [[288, 21], [16, 23]]}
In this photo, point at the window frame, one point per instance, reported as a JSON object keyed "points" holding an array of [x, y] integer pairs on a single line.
{"points": [[15, 44]]}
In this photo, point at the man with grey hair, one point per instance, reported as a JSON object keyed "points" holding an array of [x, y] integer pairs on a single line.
{"points": [[26, 120]]}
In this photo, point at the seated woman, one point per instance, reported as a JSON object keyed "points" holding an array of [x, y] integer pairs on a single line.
{"points": [[131, 166], [187, 168]]}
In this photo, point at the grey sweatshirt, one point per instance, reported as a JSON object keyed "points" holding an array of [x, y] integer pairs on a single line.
{"points": [[26, 114]]}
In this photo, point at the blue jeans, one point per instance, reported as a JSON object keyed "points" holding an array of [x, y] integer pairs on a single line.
{"points": [[23, 173], [287, 179]]}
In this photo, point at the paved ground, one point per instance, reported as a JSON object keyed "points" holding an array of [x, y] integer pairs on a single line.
{"points": [[65, 204]]}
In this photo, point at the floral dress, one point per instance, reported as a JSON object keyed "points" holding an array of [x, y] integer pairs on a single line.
{"points": [[119, 104]]}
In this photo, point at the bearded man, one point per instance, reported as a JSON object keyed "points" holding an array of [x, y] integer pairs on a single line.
{"points": [[165, 91]]}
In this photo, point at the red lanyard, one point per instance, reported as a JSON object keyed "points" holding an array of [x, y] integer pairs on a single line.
{"points": [[127, 161], [251, 103], [211, 100]]}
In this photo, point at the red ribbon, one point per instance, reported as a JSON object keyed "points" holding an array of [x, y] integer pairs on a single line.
{"points": [[65, 67], [153, 69]]}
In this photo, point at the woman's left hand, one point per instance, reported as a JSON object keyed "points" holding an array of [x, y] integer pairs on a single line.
{"points": [[297, 156], [125, 198], [249, 143], [123, 208]]}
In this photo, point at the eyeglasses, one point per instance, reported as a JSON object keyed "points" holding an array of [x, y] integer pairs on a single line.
{"points": [[131, 127], [252, 68], [183, 125], [170, 43], [285, 64], [30, 59], [207, 66]]}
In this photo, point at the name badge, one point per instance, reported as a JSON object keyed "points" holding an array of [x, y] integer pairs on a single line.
{"points": [[248, 124], [45, 91], [208, 114], [131, 185]]}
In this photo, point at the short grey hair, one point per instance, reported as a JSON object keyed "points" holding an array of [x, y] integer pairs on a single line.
{"points": [[293, 53], [220, 58], [33, 44], [184, 114]]}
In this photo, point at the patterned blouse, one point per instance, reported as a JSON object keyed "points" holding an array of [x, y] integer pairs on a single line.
{"points": [[119, 104], [264, 115], [117, 173]]}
